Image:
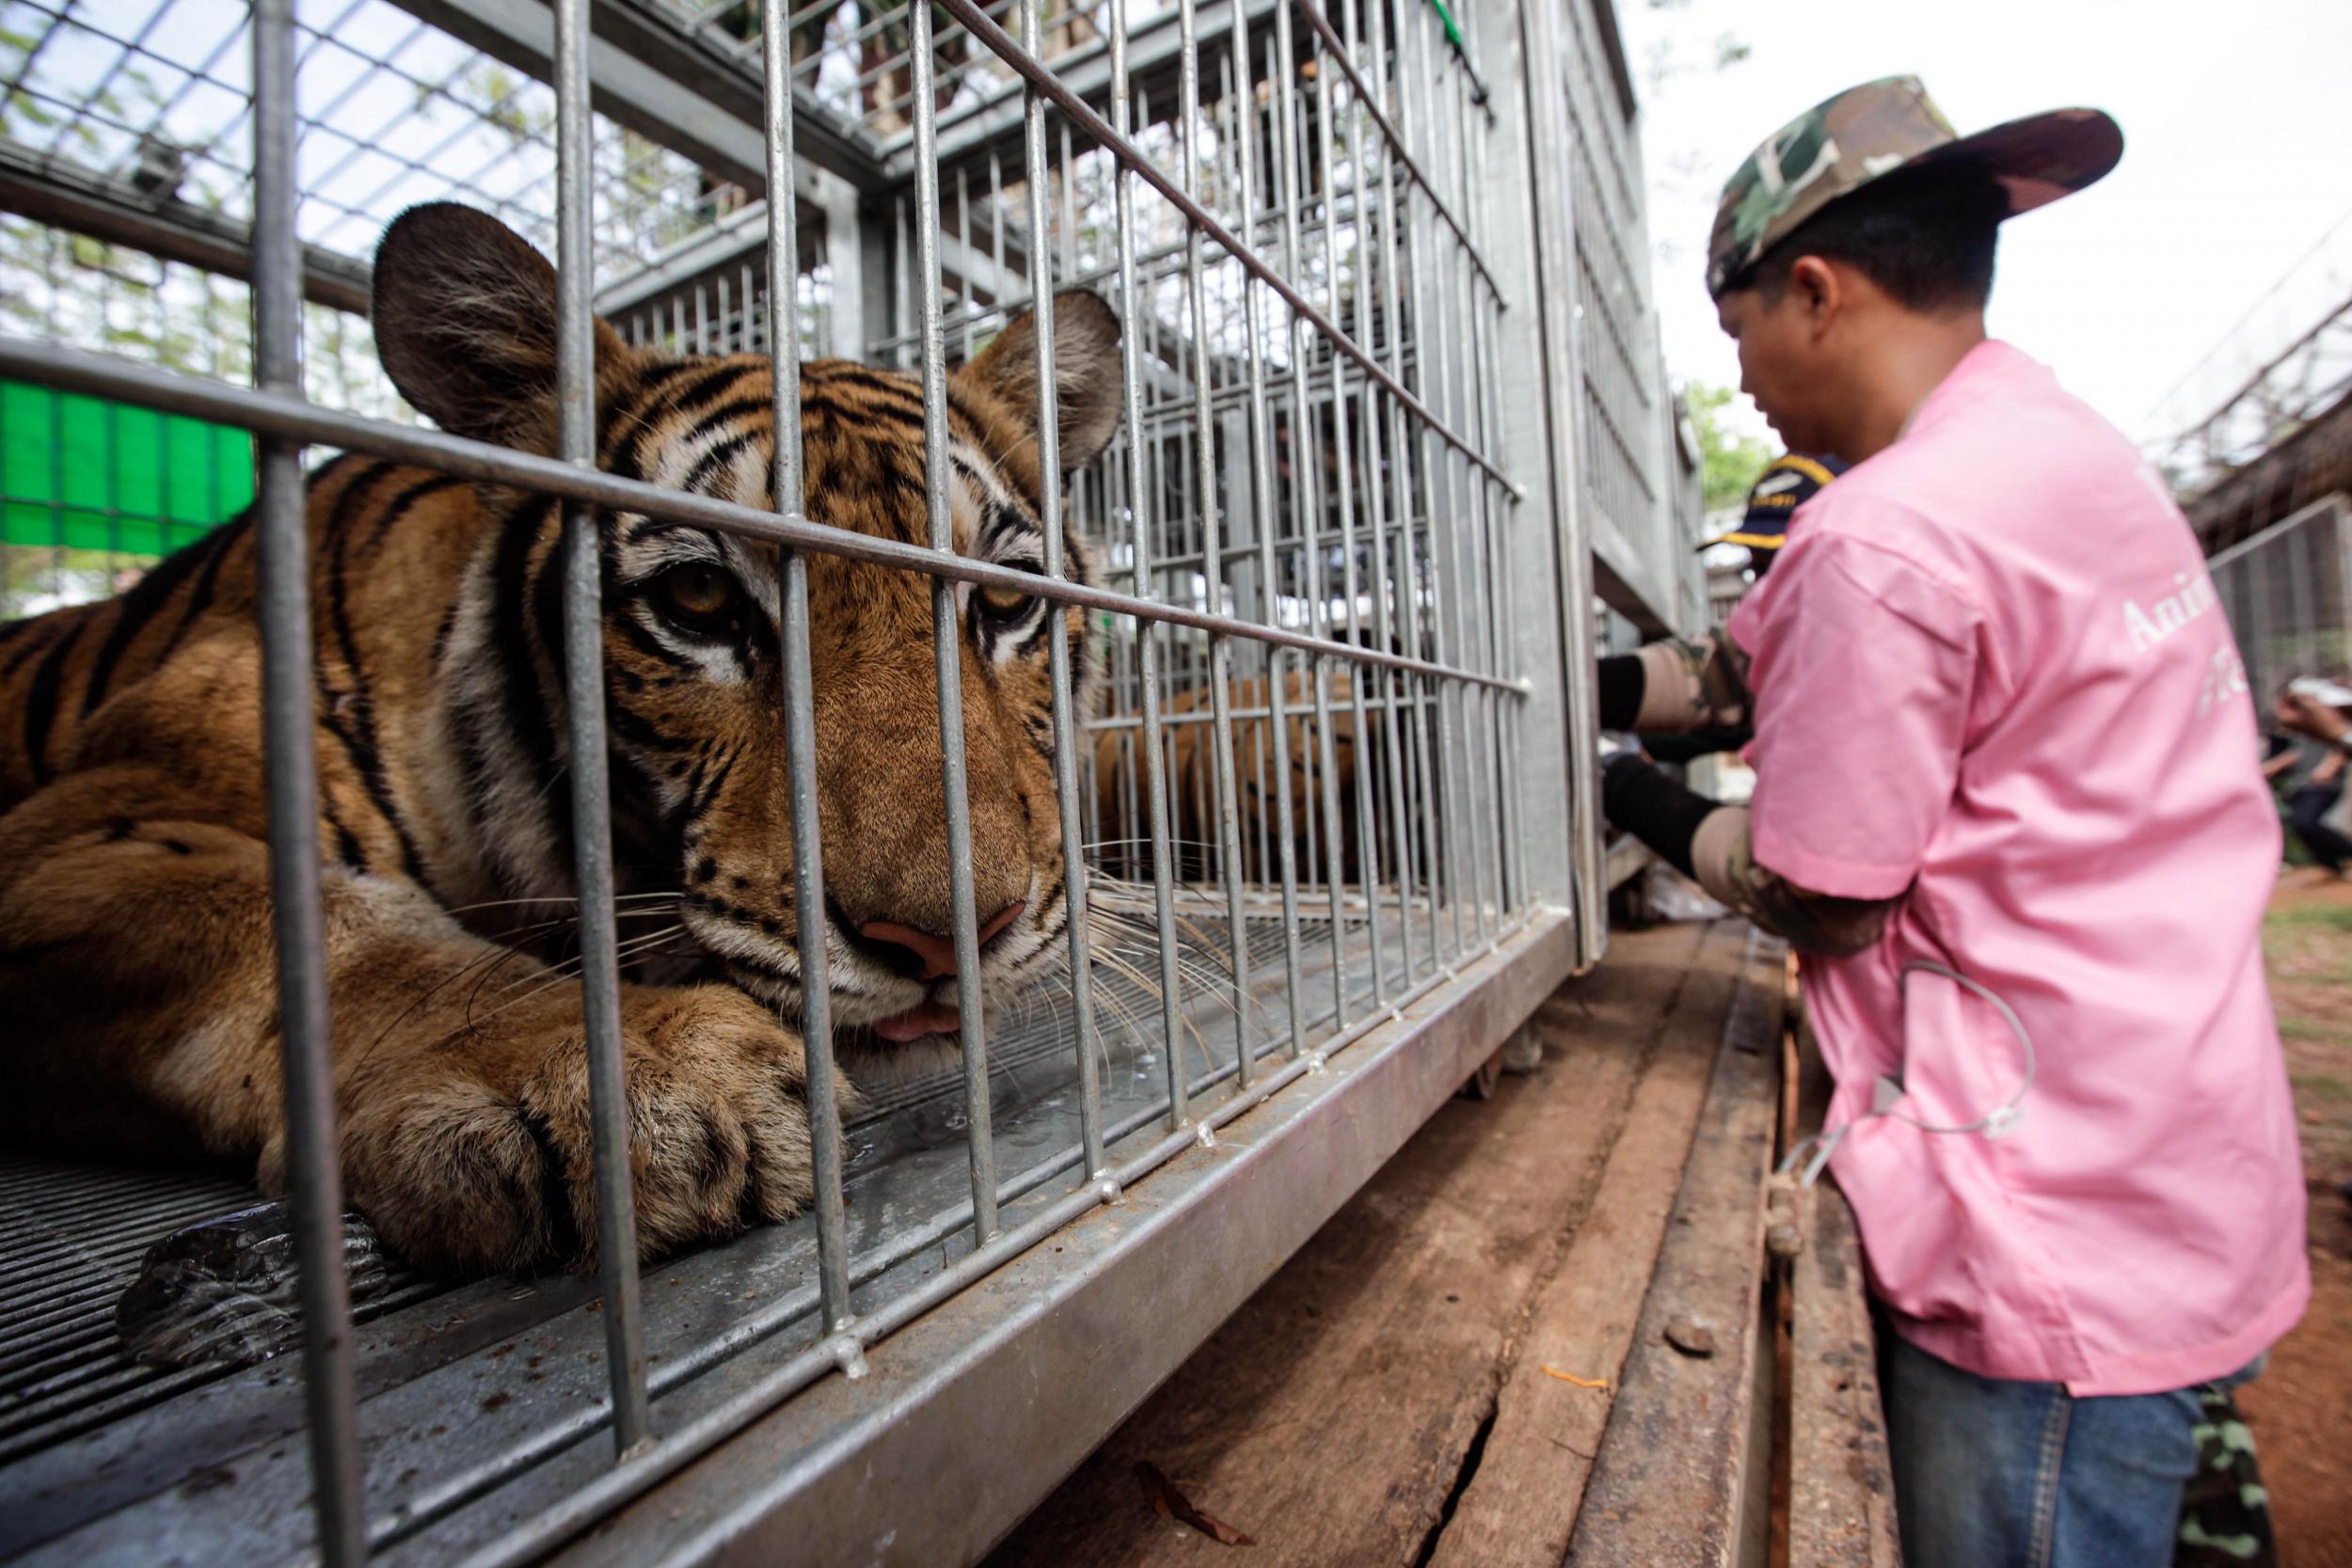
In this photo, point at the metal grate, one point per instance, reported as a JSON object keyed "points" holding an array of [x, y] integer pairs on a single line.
{"points": [[73, 1242], [1329, 789]]}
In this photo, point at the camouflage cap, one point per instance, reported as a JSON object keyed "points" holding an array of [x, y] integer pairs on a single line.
{"points": [[1845, 142]]}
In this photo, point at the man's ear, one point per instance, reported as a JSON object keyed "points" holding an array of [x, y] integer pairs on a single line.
{"points": [[1087, 394], [1821, 291], [465, 324]]}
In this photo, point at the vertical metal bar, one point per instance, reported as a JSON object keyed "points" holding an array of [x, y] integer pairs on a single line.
{"points": [[966, 301], [313, 1163], [1385, 634], [1367, 846], [1440, 134], [1069, 184], [1375, 290], [2300, 618], [1553, 221], [1485, 361], [996, 243], [1227, 801], [799, 740], [1308, 438], [1147, 641], [901, 322], [851, 249], [2340, 554], [948, 641], [1477, 536], [583, 695], [1263, 505], [1430, 310], [1426, 246], [1400, 586], [1057, 629]]}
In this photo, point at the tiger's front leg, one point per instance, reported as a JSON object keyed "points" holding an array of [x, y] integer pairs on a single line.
{"points": [[138, 991]]}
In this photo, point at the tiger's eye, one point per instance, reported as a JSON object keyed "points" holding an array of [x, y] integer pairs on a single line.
{"points": [[1003, 603], [697, 593]]}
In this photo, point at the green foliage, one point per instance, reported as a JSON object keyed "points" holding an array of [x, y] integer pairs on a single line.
{"points": [[1729, 459]]}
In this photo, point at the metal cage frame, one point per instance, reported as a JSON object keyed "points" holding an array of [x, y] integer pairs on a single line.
{"points": [[1417, 318]]}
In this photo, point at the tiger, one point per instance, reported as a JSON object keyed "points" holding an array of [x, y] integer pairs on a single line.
{"points": [[1121, 802], [136, 964]]}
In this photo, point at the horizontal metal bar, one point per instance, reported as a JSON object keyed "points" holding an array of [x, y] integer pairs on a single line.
{"points": [[1078, 109], [1371, 100], [113, 210], [291, 419], [1302, 711]]}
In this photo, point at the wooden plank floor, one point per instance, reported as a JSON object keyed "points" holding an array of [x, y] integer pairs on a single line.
{"points": [[1382, 1399]]}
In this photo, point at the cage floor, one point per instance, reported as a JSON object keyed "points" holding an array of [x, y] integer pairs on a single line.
{"points": [[476, 1399]]}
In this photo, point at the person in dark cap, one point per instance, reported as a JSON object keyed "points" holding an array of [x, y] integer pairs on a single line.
{"points": [[1786, 483], [2005, 808], [1663, 690]]}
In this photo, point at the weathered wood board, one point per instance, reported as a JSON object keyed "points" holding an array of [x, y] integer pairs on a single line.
{"points": [[1385, 1388]]}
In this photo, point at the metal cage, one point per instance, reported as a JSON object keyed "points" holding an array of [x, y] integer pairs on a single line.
{"points": [[2288, 593], [1386, 359]]}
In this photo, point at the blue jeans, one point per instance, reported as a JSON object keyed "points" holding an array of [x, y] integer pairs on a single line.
{"points": [[2310, 803], [1997, 1474]]}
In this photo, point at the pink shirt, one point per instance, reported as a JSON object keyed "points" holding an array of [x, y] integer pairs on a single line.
{"points": [[1989, 668]]}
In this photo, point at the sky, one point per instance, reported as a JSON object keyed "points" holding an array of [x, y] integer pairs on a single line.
{"points": [[2237, 162]]}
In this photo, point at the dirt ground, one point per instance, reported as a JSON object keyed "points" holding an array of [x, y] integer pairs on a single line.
{"points": [[2301, 1408]]}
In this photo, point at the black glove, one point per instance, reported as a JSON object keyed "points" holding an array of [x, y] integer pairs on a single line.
{"points": [[1698, 743], [1639, 798]]}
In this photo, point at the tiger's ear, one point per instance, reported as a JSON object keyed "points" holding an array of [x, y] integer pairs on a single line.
{"points": [[465, 324], [1086, 374]]}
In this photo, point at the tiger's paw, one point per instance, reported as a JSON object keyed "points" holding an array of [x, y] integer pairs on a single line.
{"points": [[474, 1156]]}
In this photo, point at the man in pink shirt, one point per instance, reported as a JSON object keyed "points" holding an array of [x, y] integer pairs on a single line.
{"points": [[2008, 806]]}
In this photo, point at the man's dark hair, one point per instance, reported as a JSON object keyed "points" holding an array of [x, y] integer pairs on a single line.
{"points": [[1924, 235]]}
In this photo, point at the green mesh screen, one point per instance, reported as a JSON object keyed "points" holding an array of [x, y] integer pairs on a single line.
{"points": [[85, 474]]}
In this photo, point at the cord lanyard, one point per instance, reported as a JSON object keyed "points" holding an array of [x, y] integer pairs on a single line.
{"points": [[1888, 1091]]}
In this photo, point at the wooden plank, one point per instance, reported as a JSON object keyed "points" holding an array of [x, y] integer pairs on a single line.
{"points": [[1679, 1476], [1841, 1495], [1329, 1419], [1520, 1507]]}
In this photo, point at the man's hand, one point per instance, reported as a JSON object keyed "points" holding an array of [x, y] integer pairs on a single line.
{"points": [[1816, 922], [1685, 685], [1709, 842]]}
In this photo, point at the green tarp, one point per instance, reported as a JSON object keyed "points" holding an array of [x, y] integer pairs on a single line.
{"points": [[92, 475]]}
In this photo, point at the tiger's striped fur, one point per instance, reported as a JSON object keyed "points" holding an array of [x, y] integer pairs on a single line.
{"points": [[136, 924]]}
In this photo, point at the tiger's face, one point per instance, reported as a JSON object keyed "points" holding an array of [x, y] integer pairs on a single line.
{"points": [[693, 682]]}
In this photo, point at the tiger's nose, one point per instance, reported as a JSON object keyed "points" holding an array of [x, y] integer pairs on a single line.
{"points": [[934, 954]]}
